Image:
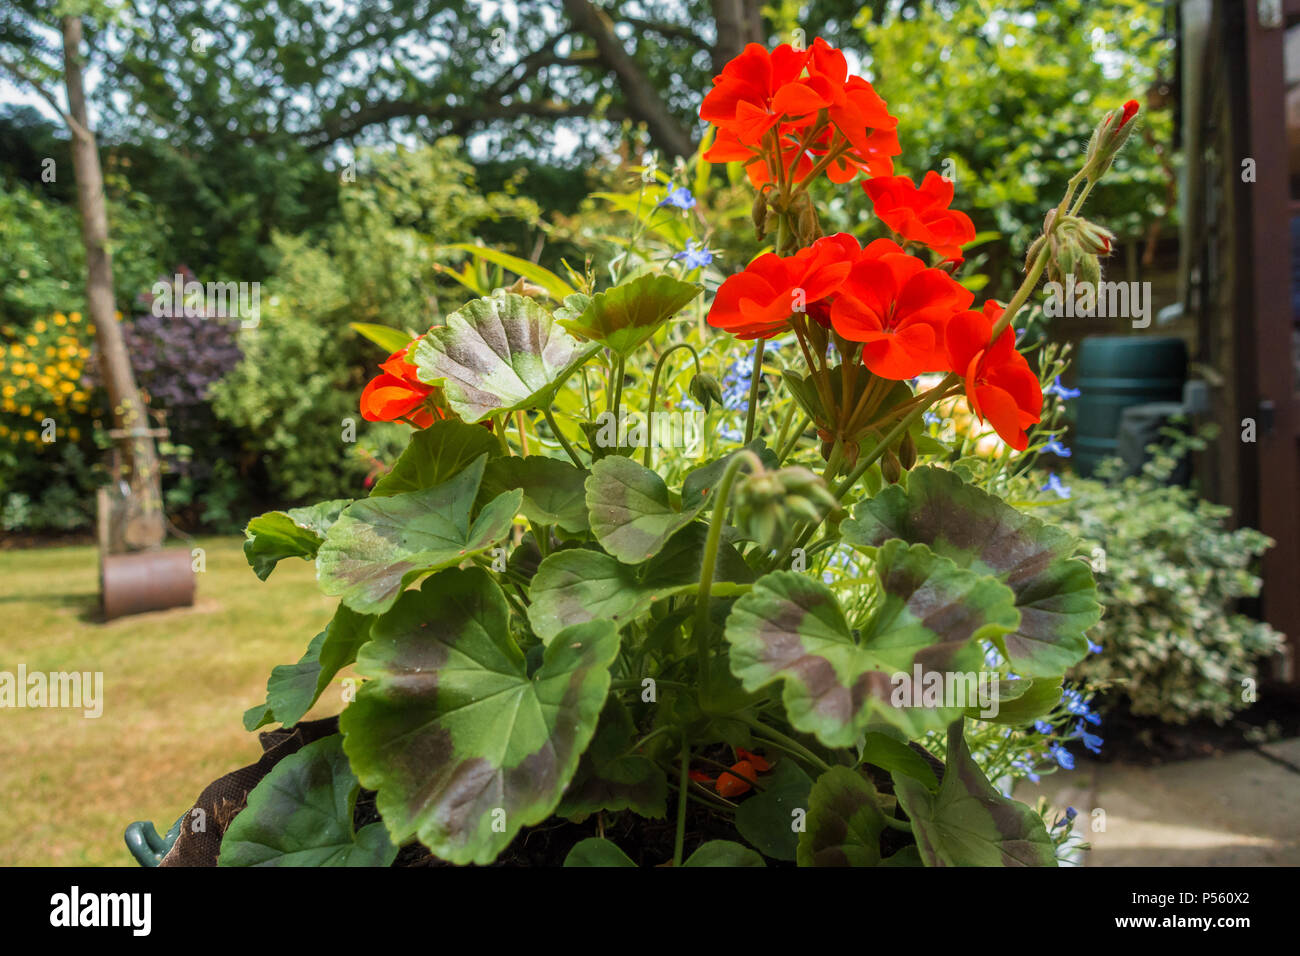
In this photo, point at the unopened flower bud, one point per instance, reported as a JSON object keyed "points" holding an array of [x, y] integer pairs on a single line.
{"points": [[768, 505], [704, 388], [758, 213], [1107, 139], [907, 452], [891, 468]]}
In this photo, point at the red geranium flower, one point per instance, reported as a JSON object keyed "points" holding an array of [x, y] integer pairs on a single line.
{"points": [[397, 393], [758, 302], [750, 765], [1000, 386], [921, 215], [897, 308], [756, 90]]}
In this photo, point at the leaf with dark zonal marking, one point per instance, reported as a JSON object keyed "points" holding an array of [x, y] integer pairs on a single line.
{"points": [[609, 777], [968, 822], [930, 614], [579, 585], [624, 317], [497, 355], [594, 851], [844, 821], [1020, 701], [553, 490], [1055, 592], [724, 853], [300, 814], [700, 483], [296, 533], [380, 545], [631, 514], [461, 745], [437, 454], [293, 688]]}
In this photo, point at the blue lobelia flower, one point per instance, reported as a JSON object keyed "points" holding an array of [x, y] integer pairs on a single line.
{"points": [[1026, 768], [1090, 741], [1054, 484], [1056, 388], [1042, 726], [1057, 449], [695, 256], [1066, 819], [1094, 648], [679, 198], [1064, 759]]}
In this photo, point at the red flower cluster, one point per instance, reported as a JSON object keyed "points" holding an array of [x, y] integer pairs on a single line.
{"points": [[748, 765], [398, 393], [1000, 386], [800, 108], [921, 215]]}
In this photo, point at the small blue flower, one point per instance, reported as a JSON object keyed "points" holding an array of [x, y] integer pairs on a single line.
{"points": [[931, 418], [1094, 648], [695, 256], [679, 198], [1066, 819], [1057, 449], [1054, 483], [1056, 388], [1090, 741], [1042, 726], [1064, 759], [1026, 768]]}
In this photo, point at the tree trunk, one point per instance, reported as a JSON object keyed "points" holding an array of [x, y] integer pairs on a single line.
{"points": [[142, 526], [643, 100], [737, 23]]}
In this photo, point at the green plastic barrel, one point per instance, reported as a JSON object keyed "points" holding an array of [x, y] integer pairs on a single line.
{"points": [[1115, 373]]}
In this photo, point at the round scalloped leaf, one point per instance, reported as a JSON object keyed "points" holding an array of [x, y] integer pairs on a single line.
{"points": [[968, 822], [698, 487], [437, 454], [499, 354], [296, 533], [767, 819], [930, 614], [380, 545], [594, 851], [844, 821], [1056, 593], [622, 318], [631, 514], [724, 853], [461, 745], [610, 777], [554, 491], [300, 814]]}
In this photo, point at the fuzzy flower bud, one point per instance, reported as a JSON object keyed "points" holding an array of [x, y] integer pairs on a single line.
{"points": [[768, 505], [1107, 139], [704, 388]]}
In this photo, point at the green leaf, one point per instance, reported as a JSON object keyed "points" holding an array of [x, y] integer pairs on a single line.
{"points": [[624, 317], [724, 853], [767, 819], [579, 585], [1056, 593], [499, 354], [556, 287], [379, 545], [844, 821], [631, 515], [300, 814], [436, 454], [386, 337], [885, 752], [296, 533], [699, 484], [462, 747], [554, 493], [594, 851], [1022, 701], [930, 614], [611, 778], [968, 823], [293, 689]]}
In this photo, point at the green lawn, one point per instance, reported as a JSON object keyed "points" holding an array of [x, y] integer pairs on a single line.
{"points": [[176, 684]]}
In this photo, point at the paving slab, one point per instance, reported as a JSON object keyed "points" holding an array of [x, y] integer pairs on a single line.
{"points": [[1238, 809]]}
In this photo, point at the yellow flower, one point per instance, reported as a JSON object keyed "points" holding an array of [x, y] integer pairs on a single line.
{"points": [[29, 436], [32, 341], [38, 326], [75, 317], [8, 391], [60, 319], [3, 431], [66, 387], [73, 434], [17, 350]]}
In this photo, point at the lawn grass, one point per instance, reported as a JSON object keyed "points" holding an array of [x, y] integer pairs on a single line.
{"points": [[176, 684]]}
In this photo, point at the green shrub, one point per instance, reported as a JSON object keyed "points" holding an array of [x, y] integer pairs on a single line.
{"points": [[1169, 572]]}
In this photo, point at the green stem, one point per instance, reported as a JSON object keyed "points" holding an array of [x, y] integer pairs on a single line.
{"points": [[788, 447], [654, 387], [786, 743], [701, 629], [759, 346], [684, 782], [559, 436]]}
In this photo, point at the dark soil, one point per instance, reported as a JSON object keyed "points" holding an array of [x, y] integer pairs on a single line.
{"points": [[1146, 741]]}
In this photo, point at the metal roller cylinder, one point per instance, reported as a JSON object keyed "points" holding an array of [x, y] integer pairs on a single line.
{"points": [[145, 581]]}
